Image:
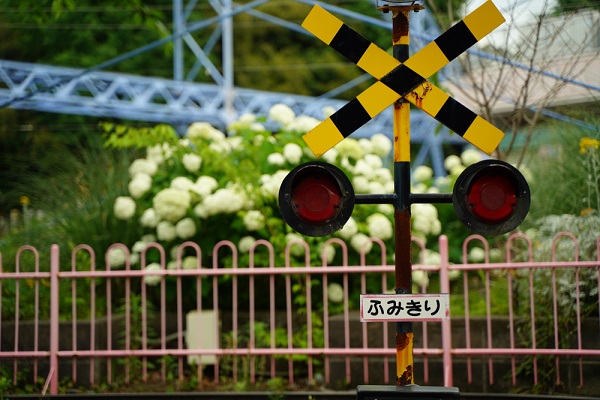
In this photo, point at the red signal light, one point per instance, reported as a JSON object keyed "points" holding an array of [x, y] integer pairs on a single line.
{"points": [[316, 199], [491, 197]]}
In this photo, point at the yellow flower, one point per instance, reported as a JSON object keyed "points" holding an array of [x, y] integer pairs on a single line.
{"points": [[587, 143], [24, 200]]}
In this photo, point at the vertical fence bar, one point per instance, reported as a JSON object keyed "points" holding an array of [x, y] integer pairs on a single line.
{"points": [[74, 315], [446, 324], [309, 331], [54, 317]]}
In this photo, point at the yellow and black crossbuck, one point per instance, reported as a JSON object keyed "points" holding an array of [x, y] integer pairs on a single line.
{"points": [[407, 80]]}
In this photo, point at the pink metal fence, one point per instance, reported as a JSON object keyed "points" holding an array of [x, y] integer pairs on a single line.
{"points": [[305, 342]]}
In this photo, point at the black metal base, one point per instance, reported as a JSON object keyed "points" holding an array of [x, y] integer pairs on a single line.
{"points": [[381, 392]]}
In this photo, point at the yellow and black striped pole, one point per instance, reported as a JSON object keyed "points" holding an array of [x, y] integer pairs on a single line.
{"points": [[403, 262]]}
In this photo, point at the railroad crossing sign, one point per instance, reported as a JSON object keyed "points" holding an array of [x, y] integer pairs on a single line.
{"points": [[396, 80]]}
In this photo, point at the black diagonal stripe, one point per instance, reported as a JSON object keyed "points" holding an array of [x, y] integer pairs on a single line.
{"points": [[455, 40], [456, 116], [402, 80], [350, 117], [349, 43]]}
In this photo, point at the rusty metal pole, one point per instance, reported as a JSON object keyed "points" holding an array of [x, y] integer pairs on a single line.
{"points": [[402, 244]]}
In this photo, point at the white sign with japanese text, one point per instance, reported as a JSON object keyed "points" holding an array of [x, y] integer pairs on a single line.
{"points": [[404, 307]]}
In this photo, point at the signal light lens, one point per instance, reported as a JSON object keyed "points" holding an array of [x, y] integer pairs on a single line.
{"points": [[316, 199], [491, 197]]}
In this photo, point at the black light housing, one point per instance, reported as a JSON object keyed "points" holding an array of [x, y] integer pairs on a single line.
{"points": [[316, 199], [491, 197]]}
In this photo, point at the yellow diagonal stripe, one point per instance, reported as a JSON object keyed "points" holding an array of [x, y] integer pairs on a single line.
{"points": [[377, 62], [323, 137], [483, 20], [428, 98], [483, 135], [427, 61], [377, 98], [322, 24]]}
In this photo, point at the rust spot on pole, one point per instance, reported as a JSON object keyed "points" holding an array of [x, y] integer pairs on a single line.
{"points": [[403, 266], [400, 26]]}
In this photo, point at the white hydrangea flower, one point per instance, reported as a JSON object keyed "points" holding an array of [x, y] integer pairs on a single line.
{"points": [[171, 204], [191, 162], [330, 156], [420, 279], [361, 242], [442, 182], [140, 185], [124, 207], [302, 124], [116, 257], [186, 228], [246, 243], [350, 229], [204, 130], [221, 145], [276, 159], [350, 148], [432, 257], [254, 220], [335, 292], [297, 249], [270, 184], [149, 219], [205, 185], [172, 264], [470, 156], [476, 255], [373, 160], [385, 208], [292, 153], [223, 201], [190, 262], [329, 253], [422, 173], [363, 168], [235, 142], [247, 118], [360, 184], [138, 246], [424, 217], [436, 227], [383, 175], [142, 165], [166, 231], [149, 238], [382, 145], [419, 188], [376, 187], [367, 146], [282, 113], [328, 111], [452, 161], [257, 127], [182, 183], [150, 279], [380, 226], [457, 170], [346, 164], [155, 154]]}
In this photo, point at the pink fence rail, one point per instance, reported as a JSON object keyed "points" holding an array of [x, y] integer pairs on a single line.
{"points": [[507, 318]]}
